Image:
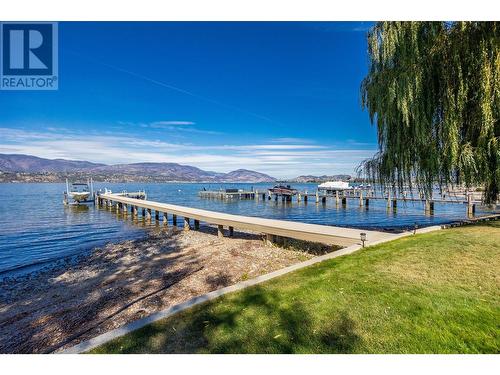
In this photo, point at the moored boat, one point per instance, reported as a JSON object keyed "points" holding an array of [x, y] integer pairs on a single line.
{"points": [[330, 187], [283, 190], [79, 193]]}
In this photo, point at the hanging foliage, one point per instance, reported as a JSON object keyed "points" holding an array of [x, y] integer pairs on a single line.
{"points": [[433, 90]]}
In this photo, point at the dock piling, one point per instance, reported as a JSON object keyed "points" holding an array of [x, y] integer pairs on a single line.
{"points": [[229, 194], [278, 240], [429, 206], [220, 231], [268, 239], [471, 207], [187, 226]]}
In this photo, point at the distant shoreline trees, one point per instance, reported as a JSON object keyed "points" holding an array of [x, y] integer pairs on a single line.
{"points": [[433, 91]]}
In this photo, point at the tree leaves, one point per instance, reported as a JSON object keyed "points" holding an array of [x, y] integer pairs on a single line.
{"points": [[433, 90]]}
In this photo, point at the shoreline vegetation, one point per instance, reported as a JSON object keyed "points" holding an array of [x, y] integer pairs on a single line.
{"points": [[430, 293], [121, 282], [60, 177]]}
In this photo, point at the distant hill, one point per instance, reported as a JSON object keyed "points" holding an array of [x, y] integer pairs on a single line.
{"points": [[163, 171], [32, 168], [324, 178], [33, 164], [246, 175]]}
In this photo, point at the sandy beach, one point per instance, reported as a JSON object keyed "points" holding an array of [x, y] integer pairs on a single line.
{"points": [[119, 283]]}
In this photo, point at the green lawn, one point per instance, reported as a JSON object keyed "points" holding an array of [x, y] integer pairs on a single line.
{"points": [[431, 293]]}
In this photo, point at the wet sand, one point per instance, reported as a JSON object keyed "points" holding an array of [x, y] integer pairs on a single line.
{"points": [[123, 282]]}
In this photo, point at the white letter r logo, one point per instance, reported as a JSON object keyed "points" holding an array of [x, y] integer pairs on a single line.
{"points": [[35, 40]]}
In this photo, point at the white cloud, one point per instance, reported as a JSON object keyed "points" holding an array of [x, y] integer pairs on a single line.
{"points": [[170, 123], [280, 160], [291, 140]]}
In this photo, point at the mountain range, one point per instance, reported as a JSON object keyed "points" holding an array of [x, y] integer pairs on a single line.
{"points": [[18, 167]]}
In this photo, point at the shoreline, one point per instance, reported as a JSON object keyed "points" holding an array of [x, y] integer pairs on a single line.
{"points": [[18, 274], [26, 272], [125, 281]]}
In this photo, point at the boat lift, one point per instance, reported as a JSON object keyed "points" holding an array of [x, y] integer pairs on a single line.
{"points": [[80, 193]]}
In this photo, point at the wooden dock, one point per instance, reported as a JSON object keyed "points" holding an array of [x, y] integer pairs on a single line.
{"points": [[274, 230], [226, 195], [141, 194], [363, 198]]}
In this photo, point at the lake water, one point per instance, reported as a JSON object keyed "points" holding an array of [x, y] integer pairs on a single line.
{"points": [[36, 229]]}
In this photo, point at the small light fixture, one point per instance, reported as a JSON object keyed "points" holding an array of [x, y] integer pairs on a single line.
{"points": [[363, 238]]}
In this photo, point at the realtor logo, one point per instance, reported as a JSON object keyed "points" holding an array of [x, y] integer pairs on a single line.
{"points": [[28, 56]]}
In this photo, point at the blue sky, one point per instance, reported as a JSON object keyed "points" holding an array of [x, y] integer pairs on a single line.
{"points": [[281, 98]]}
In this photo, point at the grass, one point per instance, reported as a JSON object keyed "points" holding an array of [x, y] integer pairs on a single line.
{"points": [[429, 293]]}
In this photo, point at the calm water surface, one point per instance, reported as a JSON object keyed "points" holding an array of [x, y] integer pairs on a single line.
{"points": [[36, 229]]}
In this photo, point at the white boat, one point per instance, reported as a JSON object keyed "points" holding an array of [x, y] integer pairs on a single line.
{"points": [[79, 192], [331, 187]]}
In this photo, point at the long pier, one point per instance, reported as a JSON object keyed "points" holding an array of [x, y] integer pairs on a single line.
{"points": [[227, 195], [273, 230], [363, 198]]}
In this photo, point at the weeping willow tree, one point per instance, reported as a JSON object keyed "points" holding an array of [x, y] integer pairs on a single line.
{"points": [[433, 91]]}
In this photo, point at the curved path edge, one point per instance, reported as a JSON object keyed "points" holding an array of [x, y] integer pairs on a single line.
{"points": [[85, 346]]}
